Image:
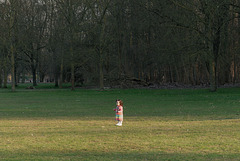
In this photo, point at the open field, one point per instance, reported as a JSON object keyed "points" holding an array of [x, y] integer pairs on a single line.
{"points": [[52, 124]]}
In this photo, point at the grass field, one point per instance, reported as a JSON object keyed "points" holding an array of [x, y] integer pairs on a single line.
{"points": [[52, 124]]}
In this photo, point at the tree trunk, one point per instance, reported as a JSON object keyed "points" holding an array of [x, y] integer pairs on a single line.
{"points": [[236, 45], [13, 67], [215, 53], [213, 77], [56, 74], [34, 76], [33, 67], [16, 76], [1, 81], [72, 69], [72, 76], [61, 74], [101, 77], [5, 73], [1, 71]]}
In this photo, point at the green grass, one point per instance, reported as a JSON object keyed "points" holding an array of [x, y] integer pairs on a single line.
{"points": [[52, 124]]}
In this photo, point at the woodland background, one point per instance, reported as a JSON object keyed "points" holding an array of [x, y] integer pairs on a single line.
{"points": [[120, 43]]}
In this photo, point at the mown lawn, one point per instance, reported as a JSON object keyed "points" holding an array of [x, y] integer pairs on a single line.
{"points": [[52, 124]]}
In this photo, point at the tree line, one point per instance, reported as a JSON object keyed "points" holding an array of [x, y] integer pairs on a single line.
{"points": [[103, 42]]}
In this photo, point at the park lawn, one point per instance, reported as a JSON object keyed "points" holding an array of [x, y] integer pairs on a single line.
{"points": [[53, 124]]}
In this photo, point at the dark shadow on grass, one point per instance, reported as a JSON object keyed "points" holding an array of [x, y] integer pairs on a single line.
{"points": [[18, 114], [171, 104], [109, 156]]}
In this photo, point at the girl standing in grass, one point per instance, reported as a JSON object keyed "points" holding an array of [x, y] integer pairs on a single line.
{"points": [[119, 112]]}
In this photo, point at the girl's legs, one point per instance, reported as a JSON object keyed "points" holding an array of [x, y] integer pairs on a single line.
{"points": [[118, 123]]}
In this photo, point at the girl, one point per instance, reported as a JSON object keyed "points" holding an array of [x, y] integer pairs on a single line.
{"points": [[119, 112]]}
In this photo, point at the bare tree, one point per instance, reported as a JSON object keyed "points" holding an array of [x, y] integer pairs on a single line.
{"points": [[99, 9]]}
